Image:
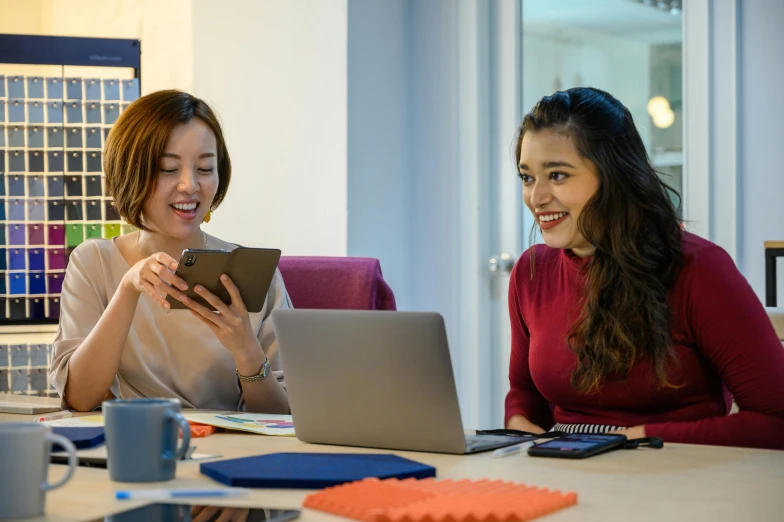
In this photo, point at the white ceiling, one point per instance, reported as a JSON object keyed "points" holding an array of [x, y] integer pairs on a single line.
{"points": [[623, 18]]}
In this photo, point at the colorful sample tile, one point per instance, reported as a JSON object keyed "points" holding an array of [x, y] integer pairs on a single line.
{"points": [[92, 232], [52, 195], [56, 235], [35, 234], [36, 259], [54, 282], [74, 235], [111, 231]]}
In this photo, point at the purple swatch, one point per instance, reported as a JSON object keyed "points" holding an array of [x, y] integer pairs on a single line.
{"points": [[16, 234], [56, 258], [54, 283], [56, 235], [54, 308], [35, 233]]}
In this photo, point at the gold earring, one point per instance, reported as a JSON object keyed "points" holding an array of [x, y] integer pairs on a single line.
{"points": [[208, 216]]}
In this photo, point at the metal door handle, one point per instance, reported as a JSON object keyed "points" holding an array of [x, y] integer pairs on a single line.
{"points": [[501, 264]]}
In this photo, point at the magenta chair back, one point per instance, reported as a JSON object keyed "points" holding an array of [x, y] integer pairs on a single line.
{"points": [[347, 283]]}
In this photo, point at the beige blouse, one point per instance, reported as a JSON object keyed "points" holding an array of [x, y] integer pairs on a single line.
{"points": [[168, 353]]}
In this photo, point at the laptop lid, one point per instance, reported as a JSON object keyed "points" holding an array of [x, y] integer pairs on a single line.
{"points": [[376, 379]]}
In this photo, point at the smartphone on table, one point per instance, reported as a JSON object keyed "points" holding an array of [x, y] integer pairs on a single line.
{"points": [[206, 513], [578, 445], [251, 270]]}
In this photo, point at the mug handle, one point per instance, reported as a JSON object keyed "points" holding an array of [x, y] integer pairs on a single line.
{"points": [[186, 436], [53, 438]]}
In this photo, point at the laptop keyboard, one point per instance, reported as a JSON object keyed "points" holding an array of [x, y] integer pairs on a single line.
{"points": [[485, 441], [471, 444], [474, 441]]}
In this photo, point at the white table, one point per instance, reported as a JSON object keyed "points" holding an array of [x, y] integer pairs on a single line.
{"points": [[678, 482]]}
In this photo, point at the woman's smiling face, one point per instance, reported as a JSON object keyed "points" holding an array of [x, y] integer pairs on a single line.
{"points": [[557, 184], [187, 181]]}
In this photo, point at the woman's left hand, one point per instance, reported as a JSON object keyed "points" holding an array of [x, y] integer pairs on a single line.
{"points": [[231, 323]]}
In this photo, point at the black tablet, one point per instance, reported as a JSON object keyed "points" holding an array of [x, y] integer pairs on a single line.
{"points": [[251, 269], [201, 513]]}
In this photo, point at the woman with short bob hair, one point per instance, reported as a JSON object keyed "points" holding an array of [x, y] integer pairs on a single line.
{"points": [[622, 321], [167, 168]]}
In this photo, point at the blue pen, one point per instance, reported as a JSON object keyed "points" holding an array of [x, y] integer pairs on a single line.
{"points": [[165, 494]]}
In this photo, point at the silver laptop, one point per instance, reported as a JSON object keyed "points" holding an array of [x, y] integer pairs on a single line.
{"points": [[374, 379]]}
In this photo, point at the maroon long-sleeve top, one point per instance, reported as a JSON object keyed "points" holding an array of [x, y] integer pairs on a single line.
{"points": [[725, 344]]}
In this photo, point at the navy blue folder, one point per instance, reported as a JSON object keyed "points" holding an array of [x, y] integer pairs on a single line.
{"points": [[82, 438], [312, 470]]}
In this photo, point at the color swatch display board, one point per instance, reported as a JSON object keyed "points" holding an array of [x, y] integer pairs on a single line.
{"points": [[53, 129], [24, 369]]}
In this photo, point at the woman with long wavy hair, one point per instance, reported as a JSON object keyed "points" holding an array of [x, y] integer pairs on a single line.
{"points": [[622, 321]]}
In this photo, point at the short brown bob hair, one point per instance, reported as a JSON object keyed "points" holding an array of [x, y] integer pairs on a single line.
{"points": [[138, 140]]}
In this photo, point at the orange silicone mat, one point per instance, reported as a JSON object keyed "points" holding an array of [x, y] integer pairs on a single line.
{"points": [[432, 500]]}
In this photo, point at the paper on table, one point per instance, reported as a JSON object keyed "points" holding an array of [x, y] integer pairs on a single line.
{"points": [[259, 423], [96, 457], [26, 404], [87, 421]]}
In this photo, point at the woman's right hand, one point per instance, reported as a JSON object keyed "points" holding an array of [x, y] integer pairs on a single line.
{"points": [[155, 277]]}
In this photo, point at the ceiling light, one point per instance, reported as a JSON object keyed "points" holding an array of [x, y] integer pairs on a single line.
{"points": [[658, 105], [664, 120]]}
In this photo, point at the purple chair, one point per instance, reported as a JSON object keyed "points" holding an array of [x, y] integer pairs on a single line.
{"points": [[347, 283]]}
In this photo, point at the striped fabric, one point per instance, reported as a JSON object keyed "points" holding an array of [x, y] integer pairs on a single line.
{"points": [[585, 428]]}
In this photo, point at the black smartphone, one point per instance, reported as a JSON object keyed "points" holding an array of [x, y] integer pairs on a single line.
{"points": [[577, 445], [251, 269], [188, 513]]}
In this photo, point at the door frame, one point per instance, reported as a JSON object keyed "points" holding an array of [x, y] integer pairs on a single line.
{"points": [[489, 96], [489, 107], [711, 89]]}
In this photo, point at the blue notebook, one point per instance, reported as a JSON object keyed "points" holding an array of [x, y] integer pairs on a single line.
{"points": [[312, 470], [82, 438]]}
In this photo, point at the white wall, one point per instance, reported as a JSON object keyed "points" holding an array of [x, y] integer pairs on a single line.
{"points": [[761, 116], [403, 153], [379, 178], [276, 74], [163, 28], [402, 147], [21, 16], [433, 148]]}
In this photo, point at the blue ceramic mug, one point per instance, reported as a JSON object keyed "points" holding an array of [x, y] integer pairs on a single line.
{"points": [[24, 462], [141, 439]]}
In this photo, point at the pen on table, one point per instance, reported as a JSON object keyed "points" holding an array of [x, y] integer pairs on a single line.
{"points": [[54, 416], [511, 450], [163, 494]]}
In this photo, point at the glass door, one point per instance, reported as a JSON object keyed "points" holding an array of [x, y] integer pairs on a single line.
{"points": [[630, 48]]}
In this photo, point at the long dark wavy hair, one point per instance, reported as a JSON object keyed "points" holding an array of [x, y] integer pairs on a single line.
{"points": [[635, 229]]}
